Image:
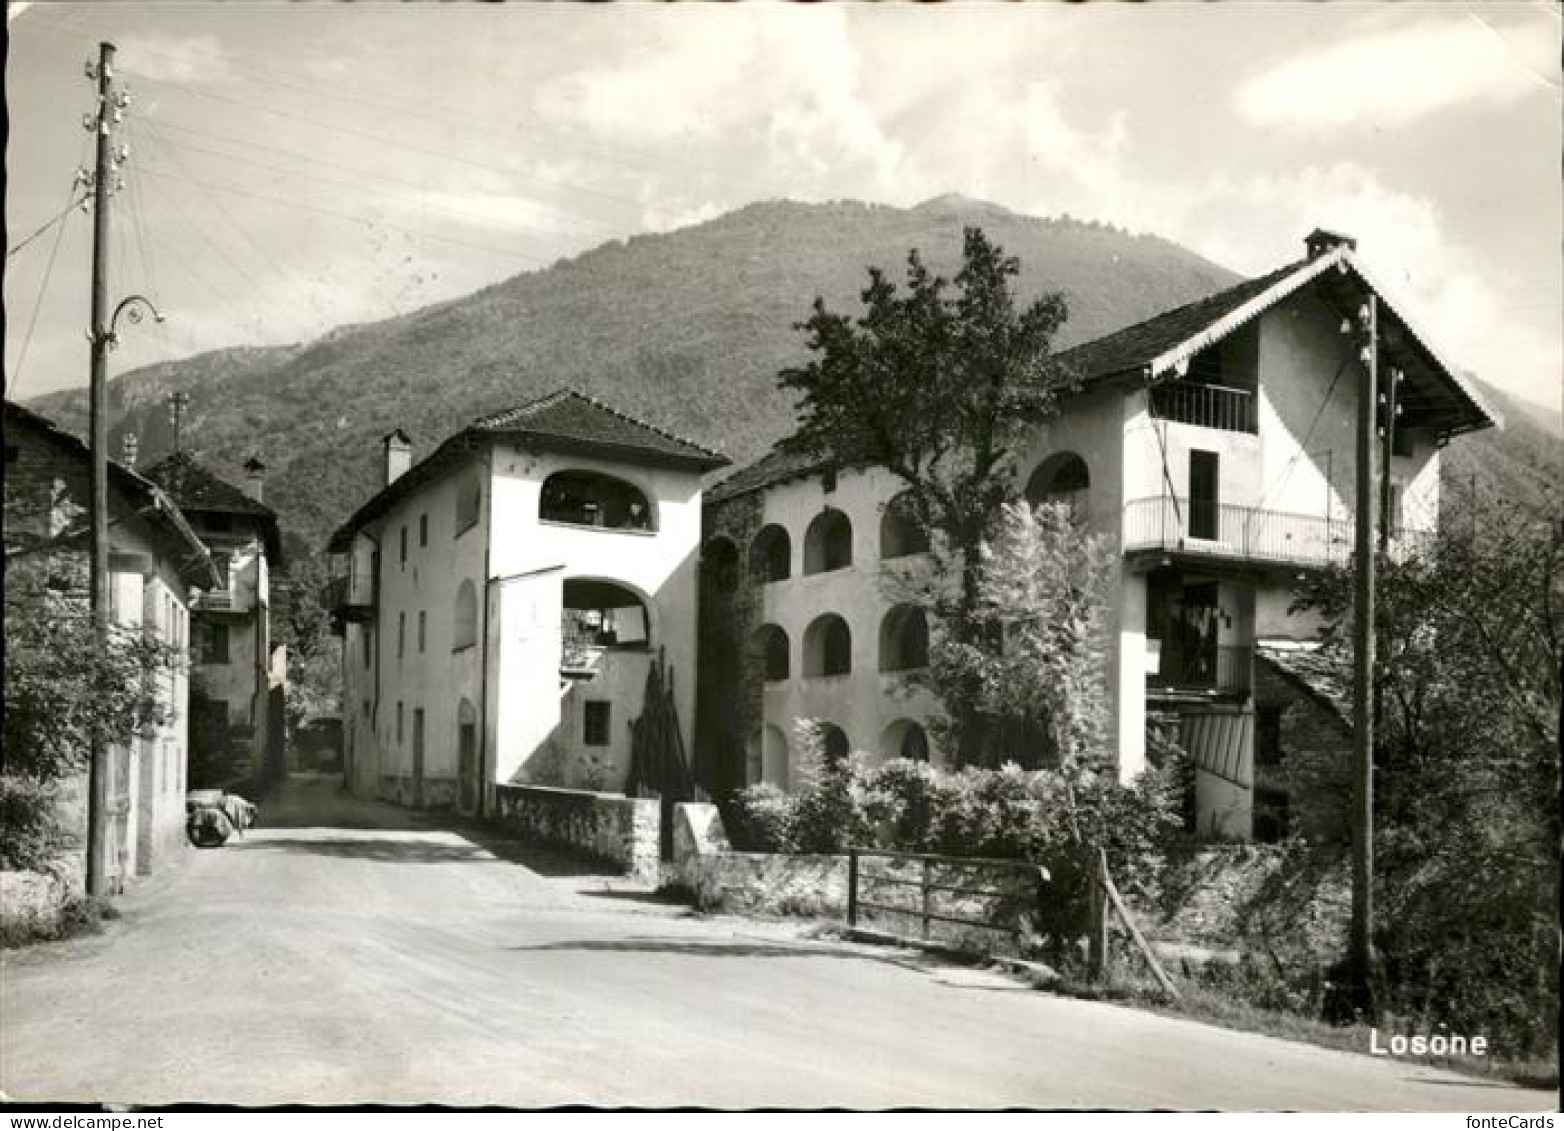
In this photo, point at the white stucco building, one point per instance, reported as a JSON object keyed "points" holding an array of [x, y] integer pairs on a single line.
{"points": [[502, 602], [1214, 443], [239, 669]]}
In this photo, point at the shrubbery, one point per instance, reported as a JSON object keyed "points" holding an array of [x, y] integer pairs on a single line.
{"points": [[1055, 818]]}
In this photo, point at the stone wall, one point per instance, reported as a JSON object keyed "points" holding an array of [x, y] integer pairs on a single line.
{"points": [[619, 830], [31, 902]]}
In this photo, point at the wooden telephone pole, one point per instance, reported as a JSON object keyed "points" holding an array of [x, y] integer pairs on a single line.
{"points": [[1360, 956], [99, 769]]}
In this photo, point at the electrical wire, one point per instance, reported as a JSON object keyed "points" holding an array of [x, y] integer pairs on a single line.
{"points": [[32, 322], [55, 219]]}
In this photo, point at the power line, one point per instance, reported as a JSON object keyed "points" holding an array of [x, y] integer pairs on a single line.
{"points": [[285, 202], [55, 219], [43, 289]]}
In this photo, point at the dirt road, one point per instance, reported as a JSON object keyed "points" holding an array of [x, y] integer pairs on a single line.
{"points": [[346, 952]]}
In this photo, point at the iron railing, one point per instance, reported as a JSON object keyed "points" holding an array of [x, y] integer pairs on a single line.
{"points": [[1228, 668], [215, 601], [1207, 406], [1006, 910], [1168, 523]]}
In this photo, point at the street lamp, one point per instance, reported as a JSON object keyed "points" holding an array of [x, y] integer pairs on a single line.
{"points": [[135, 308]]}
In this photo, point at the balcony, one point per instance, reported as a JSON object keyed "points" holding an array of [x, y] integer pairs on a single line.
{"points": [[350, 596], [1206, 406], [218, 601], [1203, 671], [1242, 534]]}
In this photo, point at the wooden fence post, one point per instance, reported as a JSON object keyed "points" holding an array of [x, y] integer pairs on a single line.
{"points": [[852, 887], [1098, 957]]}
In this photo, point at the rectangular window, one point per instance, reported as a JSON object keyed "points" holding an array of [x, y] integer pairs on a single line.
{"points": [[401, 635], [422, 628], [399, 722], [404, 547], [366, 708], [1402, 442], [595, 722], [1204, 499], [423, 530], [367, 638], [213, 643]]}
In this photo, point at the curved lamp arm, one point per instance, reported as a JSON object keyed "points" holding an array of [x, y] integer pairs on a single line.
{"points": [[135, 308]]}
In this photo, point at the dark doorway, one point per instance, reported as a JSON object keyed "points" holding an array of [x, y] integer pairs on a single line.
{"points": [[418, 758], [467, 765], [1204, 503]]}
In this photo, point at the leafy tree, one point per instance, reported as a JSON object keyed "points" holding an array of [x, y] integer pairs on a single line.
{"points": [[302, 624], [1036, 658], [1470, 640], [63, 692], [940, 384]]}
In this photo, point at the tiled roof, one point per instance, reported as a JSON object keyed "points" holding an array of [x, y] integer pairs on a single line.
{"points": [[579, 419], [195, 488], [776, 466], [1135, 347], [1324, 673], [565, 420], [156, 503]]}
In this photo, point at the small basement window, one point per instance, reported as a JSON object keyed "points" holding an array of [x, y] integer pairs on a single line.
{"points": [[594, 722]]}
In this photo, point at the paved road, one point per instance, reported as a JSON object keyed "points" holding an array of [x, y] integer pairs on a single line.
{"points": [[348, 953]]}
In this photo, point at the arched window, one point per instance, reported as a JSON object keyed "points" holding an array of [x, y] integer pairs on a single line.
{"points": [[720, 564], [770, 649], [600, 615], [469, 502], [464, 618], [1061, 478], [900, 532], [833, 741], [828, 543], [905, 739], [828, 646], [904, 639], [590, 498], [771, 555]]}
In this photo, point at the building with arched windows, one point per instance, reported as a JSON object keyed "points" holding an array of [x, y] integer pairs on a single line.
{"points": [[503, 600], [1213, 444]]}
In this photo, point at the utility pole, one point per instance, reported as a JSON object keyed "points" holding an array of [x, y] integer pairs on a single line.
{"points": [[1360, 956], [99, 770], [1386, 514], [177, 404]]}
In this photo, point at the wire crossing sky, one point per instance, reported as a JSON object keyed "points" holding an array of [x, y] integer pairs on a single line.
{"points": [[298, 167]]}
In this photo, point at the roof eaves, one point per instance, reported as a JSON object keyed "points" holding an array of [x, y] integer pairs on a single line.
{"points": [[1243, 314]]}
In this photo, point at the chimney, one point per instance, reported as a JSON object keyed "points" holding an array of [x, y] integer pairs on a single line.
{"points": [[255, 478], [1321, 242], [399, 454], [130, 448]]}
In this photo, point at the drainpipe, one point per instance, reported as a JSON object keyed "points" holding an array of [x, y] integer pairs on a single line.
{"points": [[375, 589], [483, 648]]}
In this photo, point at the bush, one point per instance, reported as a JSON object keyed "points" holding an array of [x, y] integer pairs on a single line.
{"points": [[760, 819], [30, 836]]}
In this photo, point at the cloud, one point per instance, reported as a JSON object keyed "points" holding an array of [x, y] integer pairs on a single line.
{"points": [[1390, 79], [185, 60]]}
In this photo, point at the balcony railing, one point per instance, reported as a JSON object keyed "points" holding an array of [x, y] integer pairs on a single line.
{"points": [[1228, 669], [1248, 533], [216, 601], [1208, 406], [350, 595]]}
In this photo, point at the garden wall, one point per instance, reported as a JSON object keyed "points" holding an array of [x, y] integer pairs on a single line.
{"points": [[31, 903], [620, 830]]}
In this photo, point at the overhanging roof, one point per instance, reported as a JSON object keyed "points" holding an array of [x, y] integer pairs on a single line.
{"points": [[563, 421], [195, 563]]}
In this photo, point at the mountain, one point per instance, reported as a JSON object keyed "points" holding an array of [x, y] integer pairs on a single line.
{"points": [[686, 329]]}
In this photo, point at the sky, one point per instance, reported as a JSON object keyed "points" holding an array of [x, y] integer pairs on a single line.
{"points": [[293, 168]]}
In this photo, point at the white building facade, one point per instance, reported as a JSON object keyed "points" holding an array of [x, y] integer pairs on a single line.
{"points": [[1214, 444], [502, 603]]}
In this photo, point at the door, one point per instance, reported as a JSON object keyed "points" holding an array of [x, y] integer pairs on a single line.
{"points": [[418, 757], [1204, 504], [467, 765]]}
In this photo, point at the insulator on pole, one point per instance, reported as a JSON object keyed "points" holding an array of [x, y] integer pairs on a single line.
{"points": [[90, 69], [88, 122]]}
